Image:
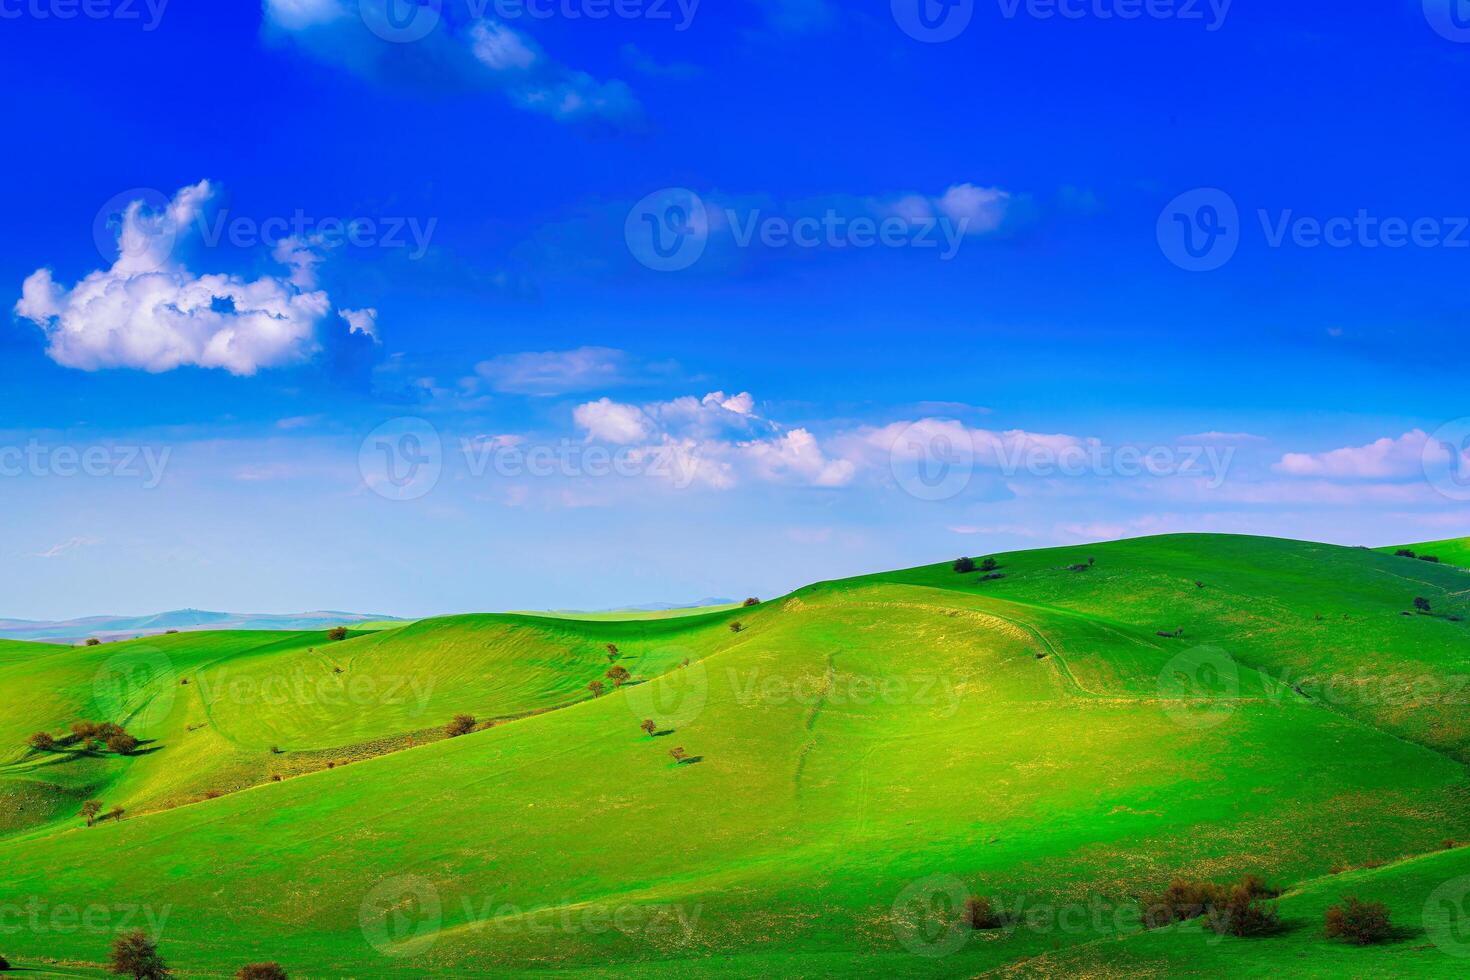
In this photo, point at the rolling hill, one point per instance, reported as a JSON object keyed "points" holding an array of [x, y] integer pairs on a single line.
{"points": [[1058, 734]]}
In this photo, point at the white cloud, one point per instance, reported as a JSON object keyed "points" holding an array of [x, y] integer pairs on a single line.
{"points": [[500, 48], [613, 422], [556, 372], [1382, 459], [149, 312], [69, 545], [970, 209], [796, 456], [364, 321]]}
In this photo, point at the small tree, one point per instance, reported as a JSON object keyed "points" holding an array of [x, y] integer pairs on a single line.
{"points": [[135, 955], [337, 633], [84, 730], [1405, 553], [122, 744], [678, 754], [461, 725], [649, 726], [108, 729], [1421, 604], [4, 964], [989, 565], [612, 652], [752, 601], [596, 687], [618, 674], [736, 626], [90, 809], [980, 914], [963, 565], [261, 971], [1360, 923], [41, 742], [92, 641], [116, 813]]}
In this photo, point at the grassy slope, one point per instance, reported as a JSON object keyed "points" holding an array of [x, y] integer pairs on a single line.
{"points": [[856, 737], [1452, 551]]}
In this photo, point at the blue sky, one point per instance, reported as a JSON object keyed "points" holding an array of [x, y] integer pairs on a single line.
{"points": [[912, 296]]}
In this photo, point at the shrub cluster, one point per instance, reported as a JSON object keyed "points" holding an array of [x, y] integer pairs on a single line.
{"points": [[1241, 909], [1360, 923]]}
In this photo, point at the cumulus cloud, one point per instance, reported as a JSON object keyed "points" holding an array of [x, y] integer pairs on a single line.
{"points": [[364, 321], [1382, 459], [147, 311], [972, 209], [465, 50], [613, 422]]}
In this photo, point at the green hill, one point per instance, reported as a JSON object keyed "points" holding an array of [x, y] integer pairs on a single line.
{"points": [[859, 756], [1451, 551]]}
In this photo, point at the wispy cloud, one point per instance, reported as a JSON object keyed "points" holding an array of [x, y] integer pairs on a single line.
{"points": [[67, 546]]}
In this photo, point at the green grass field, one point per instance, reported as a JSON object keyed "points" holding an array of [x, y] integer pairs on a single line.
{"points": [[859, 757]]}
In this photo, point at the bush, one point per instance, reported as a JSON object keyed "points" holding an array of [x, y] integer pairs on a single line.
{"points": [[649, 726], [1360, 923], [1078, 568], [963, 565], [41, 742], [752, 601], [261, 971], [461, 725], [1405, 553], [122, 744], [135, 955], [678, 754], [736, 626], [993, 576], [92, 641], [4, 964], [596, 687], [337, 633], [107, 729], [612, 652], [1430, 558], [618, 674], [989, 565], [980, 914], [84, 730], [89, 811], [1421, 604], [1241, 909]]}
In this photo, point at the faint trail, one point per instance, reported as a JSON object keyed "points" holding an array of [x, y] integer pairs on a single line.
{"points": [[811, 718]]}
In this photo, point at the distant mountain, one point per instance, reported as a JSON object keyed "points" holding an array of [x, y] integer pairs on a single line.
{"points": [[126, 627], [665, 606]]}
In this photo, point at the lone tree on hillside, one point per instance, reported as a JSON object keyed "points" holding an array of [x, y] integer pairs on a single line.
{"points": [[116, 813], [752, 601], [90, 809], [618, 674], [135, 955], [596, 687], [1421, 604], [963, 565], [678, 754], [461, 725], [612, 652], [41, 742], [736, 626], [122, 744], [261, 971], [92, 641], [337, 633], [649, 726], [989, 565], [1360, 923]]}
